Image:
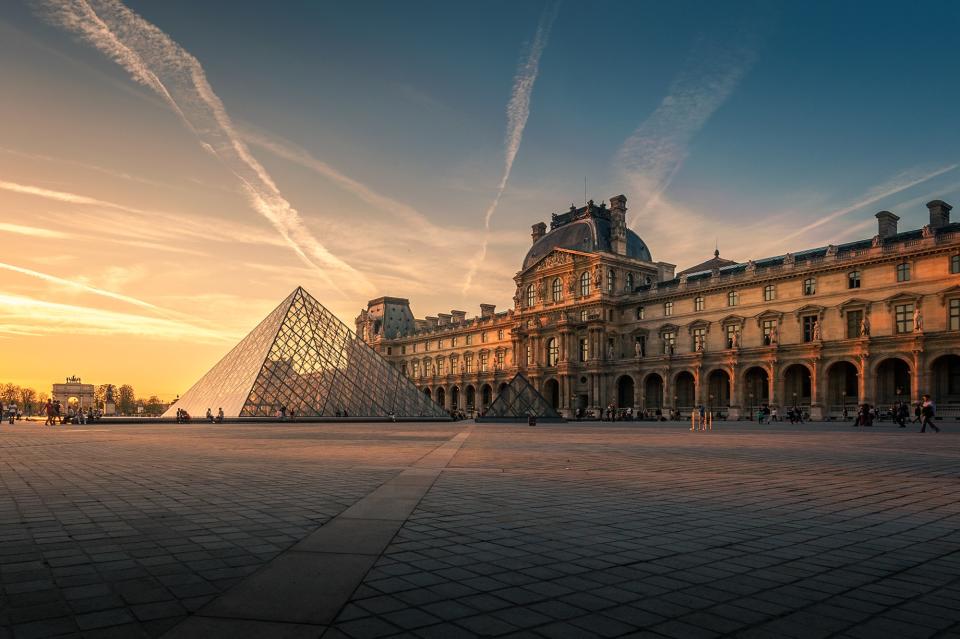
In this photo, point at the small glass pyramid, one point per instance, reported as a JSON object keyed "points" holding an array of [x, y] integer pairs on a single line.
{"points": [[302, 360], [518, 401]]}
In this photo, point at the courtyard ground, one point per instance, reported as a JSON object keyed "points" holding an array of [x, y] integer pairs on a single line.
{"points": [[459, 530]]}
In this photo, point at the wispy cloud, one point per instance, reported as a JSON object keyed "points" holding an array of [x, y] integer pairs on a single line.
{"points": [[518, 110], [80, 286], [20, 315], [32, 231], [898, 183], [62, 196], [653, 154], [153, 59]]}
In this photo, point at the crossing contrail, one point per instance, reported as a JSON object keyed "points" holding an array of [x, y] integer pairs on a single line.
{"points": [[518, 110], [153, 59]]}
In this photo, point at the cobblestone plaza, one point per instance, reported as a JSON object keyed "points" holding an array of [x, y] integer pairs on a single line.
{"points": [[454, 530]]}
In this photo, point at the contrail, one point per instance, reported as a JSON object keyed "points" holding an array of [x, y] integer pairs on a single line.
{"points": [[157, 62], [653, 154], [518, 110], [53, 279]]}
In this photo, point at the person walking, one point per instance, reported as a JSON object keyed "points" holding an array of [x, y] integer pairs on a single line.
{"points": [[927, 412], [903, 414], [50, 412]]}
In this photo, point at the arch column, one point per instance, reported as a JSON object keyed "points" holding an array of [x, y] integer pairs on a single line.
{"points": [[866, 385], [918, 377], [816, 407], [773, 386]]}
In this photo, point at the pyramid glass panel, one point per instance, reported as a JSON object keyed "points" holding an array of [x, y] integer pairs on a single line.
{"points": [[518, 401], [301, 358]]}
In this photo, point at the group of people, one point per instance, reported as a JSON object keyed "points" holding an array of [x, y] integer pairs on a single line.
{"points": [[53, 411], [215, 420], [924, 412]]}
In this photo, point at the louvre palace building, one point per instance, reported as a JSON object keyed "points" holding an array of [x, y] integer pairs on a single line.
{"points": [[596, 321]]}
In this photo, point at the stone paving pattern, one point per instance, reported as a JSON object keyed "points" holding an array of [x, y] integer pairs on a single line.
{"points": [[576, 530]]}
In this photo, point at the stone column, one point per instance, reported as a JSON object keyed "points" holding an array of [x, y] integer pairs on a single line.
{"points": [[816, 408]]}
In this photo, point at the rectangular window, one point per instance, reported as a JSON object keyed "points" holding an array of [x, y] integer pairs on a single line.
{"points": [[426, 346], [439, 344], [699, 339], [414, 347], [904, 317], [769, 293], [730, 332], [853, 279], [768, 328], [583, 315], [903, 272], [854, 319], [483, 362], [584, 350], [500, 357], [954, 322], [809, 327], [698, 303], [453, 341], [668, 309], [553, 352], [416, 369], [469, 340], [469, 363], [500, 335], [483, 336], [403, 350], [529, 356], [669, 342], [733, 298], [955, 264], [810, 286], [640, 313]]}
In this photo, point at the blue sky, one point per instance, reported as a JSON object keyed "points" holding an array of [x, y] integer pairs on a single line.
{"points": [[390, 129]]}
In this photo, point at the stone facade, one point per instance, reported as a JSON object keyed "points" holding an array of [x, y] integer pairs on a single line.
{"points": [[597, 322]]}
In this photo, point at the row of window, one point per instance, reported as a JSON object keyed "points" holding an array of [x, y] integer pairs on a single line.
{"points": [[444, 367], [584, 284], [454, 342]]}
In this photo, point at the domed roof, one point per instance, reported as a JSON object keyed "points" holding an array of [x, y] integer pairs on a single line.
{"points": [[588, 232]]}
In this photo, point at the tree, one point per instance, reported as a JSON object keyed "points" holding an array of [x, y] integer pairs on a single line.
{"points": [[28, 398], [100, 394], [153, 406], [9, 393], [126, 400]]}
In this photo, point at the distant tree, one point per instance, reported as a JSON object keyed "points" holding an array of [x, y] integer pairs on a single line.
{"points": [[153, 407], [100, 394], [9, 393], [126, 400], [28, 400]]}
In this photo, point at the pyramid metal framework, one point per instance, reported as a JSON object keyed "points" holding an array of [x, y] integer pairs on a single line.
{"points": [[517, 401], [303, 359]]}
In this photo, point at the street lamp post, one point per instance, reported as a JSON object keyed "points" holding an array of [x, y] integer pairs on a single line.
{"points": [[751, 406], [844, 396], [676, 410]]}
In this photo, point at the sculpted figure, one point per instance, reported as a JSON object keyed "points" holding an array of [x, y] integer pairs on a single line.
{"points": [[816, 330], [865, 327], [597, 276], [917, 320], [735, 340], [636, 349], [774, 335]]}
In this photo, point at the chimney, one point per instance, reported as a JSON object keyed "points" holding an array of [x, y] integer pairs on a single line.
{"points": [[887, 224], [939, 213], [539, 230], [487, 310], [443, 319], [431, 322], [459, 317], [618, 224]]}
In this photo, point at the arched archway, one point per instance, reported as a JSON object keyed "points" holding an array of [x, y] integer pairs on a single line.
{"points": [[441, 396], [842, 387], [551, 391], [893, 381], [718, 389], [486, 396], [797, 385], [756, 388], [455, 398], [945, 383], [625, 391], [426, 391], [471, 398], [501, 387], [684, 391], [653, 392]]}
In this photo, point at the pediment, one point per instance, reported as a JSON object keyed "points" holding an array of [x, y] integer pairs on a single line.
{"points": [[854, 304], [902, 298], [733, 319], [768, 315], [950, 291], [667, 328], [698, 324], [809, 309]]}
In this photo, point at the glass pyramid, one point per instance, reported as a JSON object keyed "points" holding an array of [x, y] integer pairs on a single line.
{"points": [[303, 359], [517, 401]]}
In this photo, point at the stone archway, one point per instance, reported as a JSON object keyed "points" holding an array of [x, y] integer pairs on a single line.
{"points": [[426, 391], [684, 391], [471, 397], [486, 396], [945, 384], [756, 388], [441, 396], [625, 391], [653, 392], [455, 398], [718, 389], [842, 387], [797, 385], [551, 391], [893, 377]]}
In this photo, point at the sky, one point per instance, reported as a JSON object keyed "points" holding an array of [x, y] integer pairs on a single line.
{"points": [[170, 171]]}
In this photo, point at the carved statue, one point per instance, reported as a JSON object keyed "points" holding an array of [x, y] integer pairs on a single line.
{"points": [[108, 395], [865, 327], [518, 296], [610, 352], [917, 319], [541, 291], [816, 330], [735, 340], [637, 351], [433, 369], [597, 276], [774, 335], [699, 344]]}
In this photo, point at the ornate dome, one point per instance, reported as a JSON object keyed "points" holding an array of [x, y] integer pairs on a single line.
{"points": [[585, 229]]}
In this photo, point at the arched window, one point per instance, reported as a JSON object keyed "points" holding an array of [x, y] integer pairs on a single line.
{"points": [[629, 283], [553, 352], [733, 298], [810, 286], [531, 295], [584, 284], [557, 289], [698, 303], [611, 280]]}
